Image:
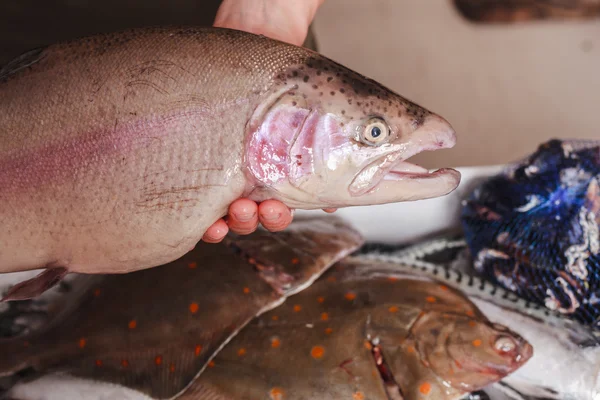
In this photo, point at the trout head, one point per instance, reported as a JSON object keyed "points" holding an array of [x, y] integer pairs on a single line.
{"points": [[325, 136]]}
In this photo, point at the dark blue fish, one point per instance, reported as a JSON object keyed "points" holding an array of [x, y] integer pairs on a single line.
{"points": [[534, 229]]}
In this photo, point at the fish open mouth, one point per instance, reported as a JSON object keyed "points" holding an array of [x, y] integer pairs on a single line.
{"points": [[405, 170], [396, 174], [390, 178]]}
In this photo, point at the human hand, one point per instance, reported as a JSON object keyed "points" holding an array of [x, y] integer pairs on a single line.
{"points": [[283, 20]]}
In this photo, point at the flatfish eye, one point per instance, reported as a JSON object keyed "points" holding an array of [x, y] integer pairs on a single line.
{"points": [[504, 344]]}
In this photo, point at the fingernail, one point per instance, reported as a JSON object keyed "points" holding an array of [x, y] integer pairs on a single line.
{"points": [[209, 239], [271, 216], [243, 217]]}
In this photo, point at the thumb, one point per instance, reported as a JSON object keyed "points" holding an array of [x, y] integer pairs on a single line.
{"points": [[285, 20]]}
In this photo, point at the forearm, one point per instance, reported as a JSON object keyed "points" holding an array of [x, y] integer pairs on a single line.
{"points": [[286, 20]]}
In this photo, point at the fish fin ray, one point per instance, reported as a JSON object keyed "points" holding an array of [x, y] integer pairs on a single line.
{"points": [[35, 286]]}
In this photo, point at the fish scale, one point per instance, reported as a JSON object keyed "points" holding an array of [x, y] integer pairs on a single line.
{"points": [[118, 151], [350, 328], [326, 335], [155, 330], [566, 352]]}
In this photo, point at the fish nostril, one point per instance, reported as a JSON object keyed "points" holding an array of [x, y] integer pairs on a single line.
{"points": [[440, 133], [448, 140]]}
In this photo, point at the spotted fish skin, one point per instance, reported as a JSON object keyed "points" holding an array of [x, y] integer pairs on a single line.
{"points": [[155, 330], [118, 151], [535, 229], [566, 353], [364, 330]]}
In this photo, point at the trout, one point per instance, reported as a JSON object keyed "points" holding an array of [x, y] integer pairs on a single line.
{"points": [[118, 151]]}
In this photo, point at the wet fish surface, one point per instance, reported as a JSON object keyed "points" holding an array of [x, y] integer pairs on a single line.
{"points": [[365, 330], [118, 151], [566, 360], [154, 330], [361, 330]]}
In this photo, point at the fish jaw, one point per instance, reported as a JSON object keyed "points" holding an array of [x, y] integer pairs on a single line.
{"points": [[400, 187], [392, 178], [307, 141], [357, 175], [308, 156]]}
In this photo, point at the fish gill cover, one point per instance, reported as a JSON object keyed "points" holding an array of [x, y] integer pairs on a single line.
{"points": [[534, 228]]}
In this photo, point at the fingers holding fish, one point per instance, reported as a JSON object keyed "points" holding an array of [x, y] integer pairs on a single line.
{"points": [[280, 19], [243, 15], [216, 232], [316, 136], [274, 215], [243, 217]]}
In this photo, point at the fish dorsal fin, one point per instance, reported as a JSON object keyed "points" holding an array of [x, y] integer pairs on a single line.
{"points": [[156, 330]]}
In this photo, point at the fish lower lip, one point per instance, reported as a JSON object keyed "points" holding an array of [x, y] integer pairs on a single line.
{"points": [[404, 170], [403, 175]]}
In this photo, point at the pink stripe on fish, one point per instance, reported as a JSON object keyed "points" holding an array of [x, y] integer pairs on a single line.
{"points": [[59, 161], [54, 163]]}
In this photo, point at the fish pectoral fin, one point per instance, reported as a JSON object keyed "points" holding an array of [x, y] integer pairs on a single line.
{"points": [[34, 287]]}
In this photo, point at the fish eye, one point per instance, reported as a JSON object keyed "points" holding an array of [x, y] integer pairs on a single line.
{"points": [[376, 131], [505, 344]]}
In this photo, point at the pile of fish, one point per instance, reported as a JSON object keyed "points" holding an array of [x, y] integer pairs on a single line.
{"points": [[311, 312], [119, 151], [528, 256], [288, 315]]}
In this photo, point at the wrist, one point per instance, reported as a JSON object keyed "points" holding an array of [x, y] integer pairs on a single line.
{"points": [[283, 20]]}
